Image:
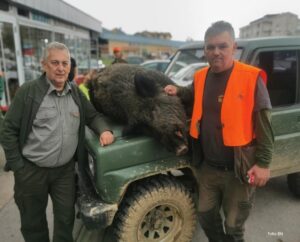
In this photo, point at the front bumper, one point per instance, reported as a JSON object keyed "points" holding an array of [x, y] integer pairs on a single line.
{"points": [[94, 213]]}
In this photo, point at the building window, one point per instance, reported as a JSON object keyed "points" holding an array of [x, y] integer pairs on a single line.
{"points": [[80, 50], [4, 6], [23, 12], [59, 37], [8, 62], [40, 17], [33, 43], [83, 54]]}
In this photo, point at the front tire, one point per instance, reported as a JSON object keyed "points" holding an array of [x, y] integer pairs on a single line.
{"points": [[160, 209]]}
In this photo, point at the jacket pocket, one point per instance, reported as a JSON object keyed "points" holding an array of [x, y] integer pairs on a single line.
{"points": [[244, 159], [46, 120], [46, 113]]}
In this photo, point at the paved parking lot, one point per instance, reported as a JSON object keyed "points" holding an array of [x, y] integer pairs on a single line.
{"points": [[275, 217]]}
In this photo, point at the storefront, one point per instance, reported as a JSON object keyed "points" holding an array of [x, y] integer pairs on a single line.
{"points": [[25, 31]]}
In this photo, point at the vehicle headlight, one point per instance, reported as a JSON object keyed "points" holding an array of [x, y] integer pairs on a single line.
{"points": [[91, 161]]}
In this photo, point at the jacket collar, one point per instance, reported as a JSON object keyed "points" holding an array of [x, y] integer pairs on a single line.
{"points": [[42, 83]]}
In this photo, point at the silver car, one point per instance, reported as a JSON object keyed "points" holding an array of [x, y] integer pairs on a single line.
{"points": [[185, 75]]}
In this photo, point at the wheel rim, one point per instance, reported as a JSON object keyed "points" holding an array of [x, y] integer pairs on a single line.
{"points": [[161, 223]]}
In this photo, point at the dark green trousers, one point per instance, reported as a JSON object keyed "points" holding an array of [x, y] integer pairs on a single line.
{"points": [[33, 184], [222, 190]]}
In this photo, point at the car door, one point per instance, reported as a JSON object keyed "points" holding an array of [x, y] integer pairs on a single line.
{"points": [[282, 68]]}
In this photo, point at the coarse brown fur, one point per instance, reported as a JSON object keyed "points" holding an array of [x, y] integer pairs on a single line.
{"points": [[135, 96]]}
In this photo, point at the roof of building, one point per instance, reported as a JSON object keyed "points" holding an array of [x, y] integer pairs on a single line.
{"points": [[271, 16], [64, 11], [122, 37]]}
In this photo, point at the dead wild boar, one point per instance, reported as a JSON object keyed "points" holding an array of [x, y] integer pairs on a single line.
{"points": [[135, 96]]}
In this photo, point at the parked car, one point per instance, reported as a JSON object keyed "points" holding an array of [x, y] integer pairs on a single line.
{"points": [[182, 59], [135, 60], [159, 65], [148, 193], [185, 75]]}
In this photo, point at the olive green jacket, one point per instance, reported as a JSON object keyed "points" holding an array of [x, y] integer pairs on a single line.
{"points": [[118, 60], [19, 119]]}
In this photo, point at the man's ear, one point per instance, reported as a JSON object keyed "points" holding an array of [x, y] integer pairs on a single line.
{"points": [[234, 47]]}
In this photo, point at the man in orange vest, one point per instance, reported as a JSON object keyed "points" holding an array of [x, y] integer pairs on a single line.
{"points": [[118, 56], [231, 133]]}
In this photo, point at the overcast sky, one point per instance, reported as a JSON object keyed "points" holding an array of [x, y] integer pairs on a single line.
{"points": [[182, 18]]}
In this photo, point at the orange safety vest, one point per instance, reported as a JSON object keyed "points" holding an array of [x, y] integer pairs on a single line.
{"points": [[237, 104]]}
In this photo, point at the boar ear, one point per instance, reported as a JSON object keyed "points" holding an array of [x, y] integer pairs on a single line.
{"points": [[145, 86]]}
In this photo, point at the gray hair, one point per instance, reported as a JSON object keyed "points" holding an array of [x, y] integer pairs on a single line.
{"points": [[54, 46], [218, 28]]}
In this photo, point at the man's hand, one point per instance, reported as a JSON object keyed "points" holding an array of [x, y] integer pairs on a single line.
{"points": [[171, 90], [261, 175], [106, 138]]}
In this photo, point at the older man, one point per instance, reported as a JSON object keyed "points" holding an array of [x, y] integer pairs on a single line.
{"points": [[42, 131]]}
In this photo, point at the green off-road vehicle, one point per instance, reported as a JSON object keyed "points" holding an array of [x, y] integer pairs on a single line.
{"points": [[148, 193]]}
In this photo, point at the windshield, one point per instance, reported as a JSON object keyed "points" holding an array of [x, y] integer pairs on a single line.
{"points": [[186, 72], [186, 57]]}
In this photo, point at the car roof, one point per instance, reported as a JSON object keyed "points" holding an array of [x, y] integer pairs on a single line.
{"points": [[253, 42]]}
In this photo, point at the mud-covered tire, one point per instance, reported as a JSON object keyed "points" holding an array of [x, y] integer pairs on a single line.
{"points": [[293, 181], [158, 210]]}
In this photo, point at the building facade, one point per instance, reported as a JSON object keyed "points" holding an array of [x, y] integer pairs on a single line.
{"points": [[27, 26], [136, 45], [283, 24]]}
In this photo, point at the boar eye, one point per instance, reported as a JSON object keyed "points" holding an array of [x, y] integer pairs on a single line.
{"points": [[179, 134]]}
